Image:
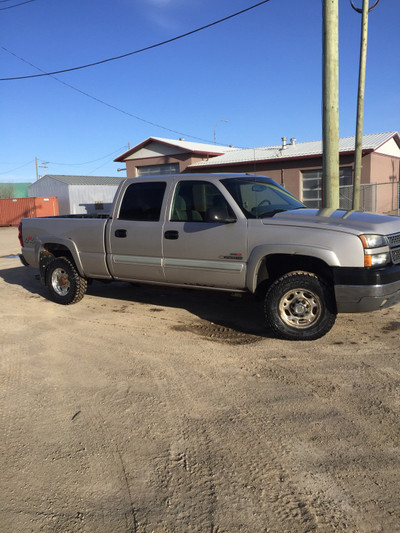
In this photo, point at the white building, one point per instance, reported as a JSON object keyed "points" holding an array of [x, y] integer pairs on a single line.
{"points": [[78, 194]]}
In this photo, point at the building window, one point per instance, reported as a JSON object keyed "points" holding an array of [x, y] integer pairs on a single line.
{"points": [[312, 187], [153, 170]]}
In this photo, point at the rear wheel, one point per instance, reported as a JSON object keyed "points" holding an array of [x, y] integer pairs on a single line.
{"points": [[65, 284], [300, 306]]}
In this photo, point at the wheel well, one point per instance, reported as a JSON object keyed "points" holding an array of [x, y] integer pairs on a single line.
{"points": [[56, 250], [49, 252], [274, 266]]}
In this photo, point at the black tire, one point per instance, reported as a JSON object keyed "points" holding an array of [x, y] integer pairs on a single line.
{"points": [[64, 282], [300, 306]]}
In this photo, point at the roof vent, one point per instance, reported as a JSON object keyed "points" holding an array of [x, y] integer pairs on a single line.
{"points": [[293, 141], [283, 143]]}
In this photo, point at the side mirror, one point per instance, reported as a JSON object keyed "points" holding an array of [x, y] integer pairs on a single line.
{"points": [[219, 215]]}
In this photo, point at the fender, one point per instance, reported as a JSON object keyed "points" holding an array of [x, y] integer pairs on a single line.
{"points": [[260, 252], [42, 242]]}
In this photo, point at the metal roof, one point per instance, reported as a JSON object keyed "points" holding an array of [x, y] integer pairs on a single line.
{"points": [[293, 151], [194, 146], [86, 180], [181, 144]]}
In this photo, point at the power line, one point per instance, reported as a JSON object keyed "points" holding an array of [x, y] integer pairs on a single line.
{"points": [[145, 49], [111, 106], [16, 5], [88, 162], [17, 168]]}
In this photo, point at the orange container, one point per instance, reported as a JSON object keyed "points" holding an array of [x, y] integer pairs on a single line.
{"points": [[13, 209]]}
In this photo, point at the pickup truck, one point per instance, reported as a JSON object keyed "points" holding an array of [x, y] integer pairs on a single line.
{"points": [[229, 232]]}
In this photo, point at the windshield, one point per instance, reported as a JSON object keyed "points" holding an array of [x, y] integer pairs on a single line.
{"points": [[260, 197]]}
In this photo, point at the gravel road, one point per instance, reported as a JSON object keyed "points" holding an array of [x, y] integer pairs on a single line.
{"points": [[144, 409]]}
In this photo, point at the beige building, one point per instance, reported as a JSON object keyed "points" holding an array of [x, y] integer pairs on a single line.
{"points": [[296, 165], [167, 156]]}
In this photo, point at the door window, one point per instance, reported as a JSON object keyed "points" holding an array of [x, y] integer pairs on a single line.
{"points": [[194, 201], [143, 201]]}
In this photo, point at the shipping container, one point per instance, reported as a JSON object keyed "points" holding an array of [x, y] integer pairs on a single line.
{"points": [[13, 209]]}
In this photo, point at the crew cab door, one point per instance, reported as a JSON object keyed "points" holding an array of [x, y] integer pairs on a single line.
{"points": [[204, 237], [135, 233]]}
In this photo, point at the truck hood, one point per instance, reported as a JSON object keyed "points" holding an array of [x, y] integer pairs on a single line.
{"points": [[355, 222]]}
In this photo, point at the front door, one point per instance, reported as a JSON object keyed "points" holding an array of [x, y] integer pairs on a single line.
{"points": [[202, 246]]}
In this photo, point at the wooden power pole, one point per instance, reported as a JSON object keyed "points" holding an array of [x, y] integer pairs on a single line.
{"points": [[330, 104], [360, 100]]}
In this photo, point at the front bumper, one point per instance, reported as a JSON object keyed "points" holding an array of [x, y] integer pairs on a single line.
{"points": [[359, 290]]}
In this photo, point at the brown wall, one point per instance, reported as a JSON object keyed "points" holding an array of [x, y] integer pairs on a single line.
{"points": [[376, 168], [384, 168], [183, 159]]}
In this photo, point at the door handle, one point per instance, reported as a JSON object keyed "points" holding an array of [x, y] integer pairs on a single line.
{"points": [[172, 235], [120, 233]]}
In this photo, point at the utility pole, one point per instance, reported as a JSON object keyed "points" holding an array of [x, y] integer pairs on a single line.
{"points": [[360, 101], [330, 104], [44, 165], [37, 172]]}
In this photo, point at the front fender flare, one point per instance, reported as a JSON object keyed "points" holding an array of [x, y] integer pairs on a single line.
{"points": [[260, 252]]}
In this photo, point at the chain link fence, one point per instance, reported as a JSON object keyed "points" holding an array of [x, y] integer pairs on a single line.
{"points": [[382, 198]]}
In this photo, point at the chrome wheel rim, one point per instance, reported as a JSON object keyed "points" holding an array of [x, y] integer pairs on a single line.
{"points": [[300, 308], [60, 281]]}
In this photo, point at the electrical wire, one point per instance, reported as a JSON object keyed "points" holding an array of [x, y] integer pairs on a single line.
{"points": [[118, 151], [111, 106], [145, 49], [17, 168], [16, 5]]}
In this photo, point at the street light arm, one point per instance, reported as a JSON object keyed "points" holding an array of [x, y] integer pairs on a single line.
{"points": [[359, 10], [215, 129]]}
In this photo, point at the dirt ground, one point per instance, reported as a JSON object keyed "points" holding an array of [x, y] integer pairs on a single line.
{"points": [[144, 409]]}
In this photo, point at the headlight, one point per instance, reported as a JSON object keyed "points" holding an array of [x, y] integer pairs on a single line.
{"points": [[373, 241], [376, 259], [376, 250]]}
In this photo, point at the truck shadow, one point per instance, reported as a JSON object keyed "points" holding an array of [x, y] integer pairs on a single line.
{"points": [[24, 277], [240, 313]]}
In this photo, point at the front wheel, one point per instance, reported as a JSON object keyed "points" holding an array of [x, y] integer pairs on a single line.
{"points": [[300, 306], [64, 282]]}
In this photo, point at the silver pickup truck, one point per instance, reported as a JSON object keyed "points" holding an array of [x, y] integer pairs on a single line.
{"points": [[231, 232]]}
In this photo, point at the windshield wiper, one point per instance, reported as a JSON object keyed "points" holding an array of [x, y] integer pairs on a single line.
{"points": [[271, 213]]}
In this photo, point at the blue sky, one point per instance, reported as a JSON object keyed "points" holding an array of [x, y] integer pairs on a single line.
{"points": [[260, 71]]}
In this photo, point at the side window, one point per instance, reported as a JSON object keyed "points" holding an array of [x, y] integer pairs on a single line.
{"points": [[195, 200], [143, 201]]}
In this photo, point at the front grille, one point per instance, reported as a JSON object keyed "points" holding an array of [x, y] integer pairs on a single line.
{"points": [[394, 239], [396, 256], [394, 244]]}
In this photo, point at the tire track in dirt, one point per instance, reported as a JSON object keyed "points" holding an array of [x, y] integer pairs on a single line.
{"points": [[343, 414], [11, 380], [105, 499], [205, 466], [108, 495]]}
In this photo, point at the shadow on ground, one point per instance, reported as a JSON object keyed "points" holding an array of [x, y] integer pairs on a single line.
{"points": [[225, 312]]}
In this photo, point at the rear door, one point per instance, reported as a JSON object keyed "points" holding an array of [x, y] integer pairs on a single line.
{"points": [[135, 233], [199, 249]]}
